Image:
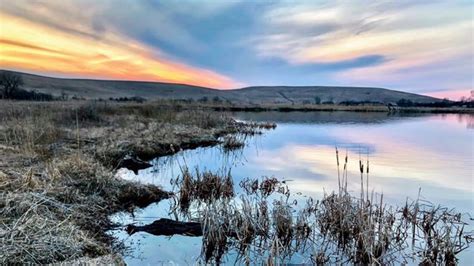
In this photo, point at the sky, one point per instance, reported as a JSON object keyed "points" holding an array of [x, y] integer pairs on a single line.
{"points": [[422, 46]]}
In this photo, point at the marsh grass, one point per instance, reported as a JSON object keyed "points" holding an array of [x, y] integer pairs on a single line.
{"points": [[266, 224], [43, 230], [57, 171], [57, 189], [232, 143], [62, 212], [205, 187]]}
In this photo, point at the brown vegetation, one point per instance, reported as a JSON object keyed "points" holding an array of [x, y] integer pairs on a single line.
{"points": [[57, 165], [232, 143], [58, 188], [266, 225], [334, 108], [202, 188], [323, 107]]}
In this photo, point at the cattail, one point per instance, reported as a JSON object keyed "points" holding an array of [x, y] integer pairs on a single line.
{"points": [[367, 178], [345, 171], [361, 168], [367, 168], [338, 171]]}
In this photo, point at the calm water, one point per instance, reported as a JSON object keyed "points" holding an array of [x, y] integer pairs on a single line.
{"points": [[406, 153]]}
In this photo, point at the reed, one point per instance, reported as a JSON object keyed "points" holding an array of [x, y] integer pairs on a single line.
{"points": [[57, 171], [265, 224], [206, 187], [57, 188], [232, 143]]}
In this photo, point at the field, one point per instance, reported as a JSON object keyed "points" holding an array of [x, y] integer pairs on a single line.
{"points": [[57, 165]]}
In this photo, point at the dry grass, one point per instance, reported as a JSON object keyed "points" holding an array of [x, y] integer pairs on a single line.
{"points": [[38, 229], [265, 225], [57, 165], [62, 212], [283, 107], [57, 189], [232, 143], [202, 188]]}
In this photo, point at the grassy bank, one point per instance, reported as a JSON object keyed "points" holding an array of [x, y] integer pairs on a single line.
{"points": [[57, 165], [228, 106], [345, 108]]}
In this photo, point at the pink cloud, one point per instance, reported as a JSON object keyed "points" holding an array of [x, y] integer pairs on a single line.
{"points": [[452, 94]]}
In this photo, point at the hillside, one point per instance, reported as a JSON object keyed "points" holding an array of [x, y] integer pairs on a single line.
{"points": [[94, 89], [286, 94]]}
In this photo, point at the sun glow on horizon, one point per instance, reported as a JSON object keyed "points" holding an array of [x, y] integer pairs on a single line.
{"points": [[29, 46], [418, 47], [454, 95]]}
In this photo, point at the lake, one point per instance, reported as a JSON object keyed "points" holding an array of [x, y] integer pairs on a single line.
{"points": [[429, 154]]}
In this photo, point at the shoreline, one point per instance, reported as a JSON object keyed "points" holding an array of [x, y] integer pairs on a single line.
{"points": [[180, 105], [341, 108], [58, 165]]}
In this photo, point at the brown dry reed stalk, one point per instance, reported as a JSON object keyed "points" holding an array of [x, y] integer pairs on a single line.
{"points": [[338, 229], [57, 184], [232, 143]]}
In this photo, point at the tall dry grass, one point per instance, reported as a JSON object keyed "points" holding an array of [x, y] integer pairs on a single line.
{"points": [[57, 165], [266, 224]]}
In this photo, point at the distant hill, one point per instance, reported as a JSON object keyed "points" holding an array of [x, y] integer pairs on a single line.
{"points": [[95, 89], [293, 94]]}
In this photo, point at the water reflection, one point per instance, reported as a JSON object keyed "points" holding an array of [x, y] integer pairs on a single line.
{"points": [[348, 117], [431, 152]]}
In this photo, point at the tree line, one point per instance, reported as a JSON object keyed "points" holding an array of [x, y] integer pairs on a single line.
{"points": [[11, 89]]}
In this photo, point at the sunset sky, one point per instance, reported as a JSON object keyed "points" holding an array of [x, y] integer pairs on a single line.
{"points": [[417, 46]]}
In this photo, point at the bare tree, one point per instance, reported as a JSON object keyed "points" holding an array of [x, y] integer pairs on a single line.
{"points": [[10, 83]]}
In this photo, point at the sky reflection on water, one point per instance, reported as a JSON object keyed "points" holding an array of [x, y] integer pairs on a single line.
{"points": [[406, 153]]}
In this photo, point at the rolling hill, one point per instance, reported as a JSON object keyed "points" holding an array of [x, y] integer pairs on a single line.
{"points": [[95, 89]]}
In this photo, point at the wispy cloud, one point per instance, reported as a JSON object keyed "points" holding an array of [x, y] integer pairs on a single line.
{"points": [[418, 40], [417, 46], [307, 32], [61, 39]]}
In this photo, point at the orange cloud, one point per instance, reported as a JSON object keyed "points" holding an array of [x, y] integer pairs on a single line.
{"points": [[30, 46]]}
